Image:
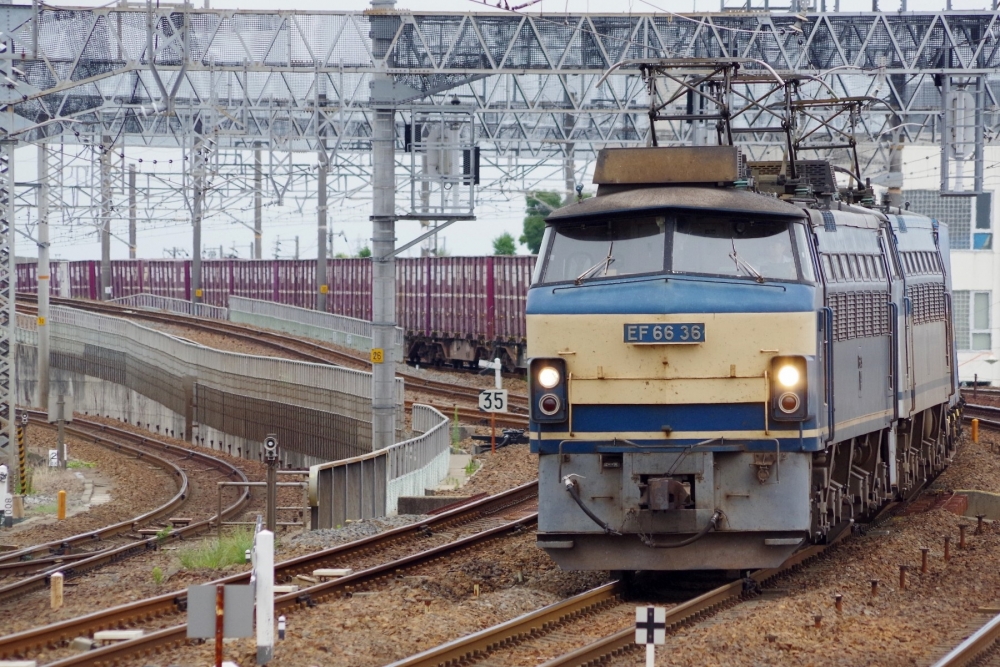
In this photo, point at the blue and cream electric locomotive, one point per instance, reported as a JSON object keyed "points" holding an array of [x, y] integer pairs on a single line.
{"points": [[727, 364]]}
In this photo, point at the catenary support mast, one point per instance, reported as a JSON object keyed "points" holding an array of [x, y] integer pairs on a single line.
{"points": [[322, 222], [383, 236], [106, 152], [44, 282]]}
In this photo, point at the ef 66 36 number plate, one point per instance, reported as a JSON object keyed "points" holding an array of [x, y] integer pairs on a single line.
{"points": [[665, 334]]}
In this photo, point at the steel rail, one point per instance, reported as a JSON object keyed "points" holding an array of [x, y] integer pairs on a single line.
{"points": [[974, 647], [56, 548], [464, 650], [23, 643], [304, 349], [116, 554], [308, 597], [982, 409], [988, 409], [623, 641], [89, 430]]}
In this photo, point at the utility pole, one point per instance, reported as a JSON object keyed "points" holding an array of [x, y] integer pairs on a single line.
{"points": [[296, 246], [131, 211], [43, 276], [198, 162], [321, 279], [257, 203], [8, 282], [106, 149], [383, 234]]}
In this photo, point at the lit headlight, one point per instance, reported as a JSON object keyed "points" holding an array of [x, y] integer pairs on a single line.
{"points": [[548, 377], [788, 376]]}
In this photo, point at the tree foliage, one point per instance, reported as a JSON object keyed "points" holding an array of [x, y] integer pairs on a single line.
{"points": [[504, 244], [539, 205], [365, 252]]}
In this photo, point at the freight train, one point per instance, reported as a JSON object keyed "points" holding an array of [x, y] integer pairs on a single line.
{"points": [[454, 310], [728, 362]]}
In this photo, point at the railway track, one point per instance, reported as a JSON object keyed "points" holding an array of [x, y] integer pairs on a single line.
{"points": [[987, 415], [302, 349], [564, 623], [548, 631], [487, 519], [57, 556], [972, 651]]}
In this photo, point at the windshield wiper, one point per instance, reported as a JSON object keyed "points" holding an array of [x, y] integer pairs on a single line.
{"points": [[606, 262], [742, 264]]}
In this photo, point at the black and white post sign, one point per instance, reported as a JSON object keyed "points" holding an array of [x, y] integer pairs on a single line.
{"points": [[493, 400], [650, 629], [650, 625]]}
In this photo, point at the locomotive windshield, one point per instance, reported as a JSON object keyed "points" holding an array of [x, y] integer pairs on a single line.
{"points": [[605, 248], [716, 245], [745, 248]]}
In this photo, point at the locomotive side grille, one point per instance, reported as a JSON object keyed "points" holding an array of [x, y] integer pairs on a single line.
{"points": [[927, 301], [859, 314]]}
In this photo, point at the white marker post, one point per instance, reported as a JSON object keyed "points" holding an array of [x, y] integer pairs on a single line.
{"points": [[8, 500], [650, 629], [493, 401], [264, 569]]}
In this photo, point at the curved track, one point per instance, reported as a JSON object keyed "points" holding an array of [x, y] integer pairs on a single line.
{"points": [[487, 519], [52, 557], [299, 348]]}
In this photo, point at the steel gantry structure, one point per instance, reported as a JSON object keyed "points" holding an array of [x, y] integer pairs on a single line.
{"points": [[257, 104]]}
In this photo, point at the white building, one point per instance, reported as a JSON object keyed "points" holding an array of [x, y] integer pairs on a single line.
{"points": [[974, 260]]}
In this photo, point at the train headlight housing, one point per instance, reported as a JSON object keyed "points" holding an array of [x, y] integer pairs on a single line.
{"points": [[788, 376], [789, 385], [547, 390], [549, 376]]}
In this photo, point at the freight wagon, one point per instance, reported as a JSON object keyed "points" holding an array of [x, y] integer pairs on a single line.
{"points": [[455, 310]]}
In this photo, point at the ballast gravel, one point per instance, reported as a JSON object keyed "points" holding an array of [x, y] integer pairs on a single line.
{"points": [[436, 603], [134, 487], [915, 626]]}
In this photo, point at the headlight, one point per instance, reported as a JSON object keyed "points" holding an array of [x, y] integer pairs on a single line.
{"points": [[548, 377], [788, 376]]}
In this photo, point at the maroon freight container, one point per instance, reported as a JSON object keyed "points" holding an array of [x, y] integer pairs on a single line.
{"points": [[477, 299]]}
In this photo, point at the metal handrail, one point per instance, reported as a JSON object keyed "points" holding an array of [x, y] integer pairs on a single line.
{"points": [[350, 326], [154, 302]]}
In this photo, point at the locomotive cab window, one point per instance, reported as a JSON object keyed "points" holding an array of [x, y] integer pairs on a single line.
{"points": [[604, 249], [742, 248]]}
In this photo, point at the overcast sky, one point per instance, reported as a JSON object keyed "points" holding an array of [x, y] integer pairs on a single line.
{"points": [[502, 212]]}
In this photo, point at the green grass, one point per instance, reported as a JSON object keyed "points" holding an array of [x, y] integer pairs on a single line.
{"points": [[216, 554], [46, 509], [471, 467], [157, 576], [80, 464]]}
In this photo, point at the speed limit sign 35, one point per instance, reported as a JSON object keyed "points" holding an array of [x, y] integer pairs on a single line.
{"points": [[493, 400]]}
